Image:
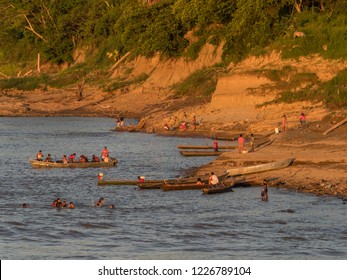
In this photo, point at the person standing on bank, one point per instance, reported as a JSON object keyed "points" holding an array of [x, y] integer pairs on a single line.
{"points": [[241, 142], [251, 143], [215, 145], [303, 121], [284, 123]]}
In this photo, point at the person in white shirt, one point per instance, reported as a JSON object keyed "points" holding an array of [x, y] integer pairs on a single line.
{"points": [[213, 180]]}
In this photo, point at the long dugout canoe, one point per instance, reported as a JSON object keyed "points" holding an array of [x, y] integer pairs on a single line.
{"points": [[200, 153], [185, 147], [123, 182], [181, 186], [260, 167], [44, 164]]}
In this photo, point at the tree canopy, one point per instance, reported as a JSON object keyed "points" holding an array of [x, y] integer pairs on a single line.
{"points": [[55, 28]]}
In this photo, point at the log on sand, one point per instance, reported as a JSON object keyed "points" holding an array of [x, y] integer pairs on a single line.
{"points": [[335, 126]]}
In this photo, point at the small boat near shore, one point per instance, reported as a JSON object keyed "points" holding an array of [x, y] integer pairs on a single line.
{"points": [[59, 164], [181, 186], [200, 153], [220, 188], [260, 167], [185, 147]]}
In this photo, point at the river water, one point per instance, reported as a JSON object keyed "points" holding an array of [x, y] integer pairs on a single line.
{"points": [[145, 224]]}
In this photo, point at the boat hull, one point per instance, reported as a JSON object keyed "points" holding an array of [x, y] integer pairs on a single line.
{"points": [[200, 153], [185, 147], [181, 187], [260, 167], [43, 164]]}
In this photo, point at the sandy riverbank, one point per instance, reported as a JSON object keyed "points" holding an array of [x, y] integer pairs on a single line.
{"points": [[236, 107]]}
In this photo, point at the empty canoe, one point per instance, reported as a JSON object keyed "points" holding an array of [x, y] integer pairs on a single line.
{"points": [[260, 167], [200, 153], [185, 147]]}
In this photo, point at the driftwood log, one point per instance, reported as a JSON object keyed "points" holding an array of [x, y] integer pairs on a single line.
{"points": [[335, 126]]}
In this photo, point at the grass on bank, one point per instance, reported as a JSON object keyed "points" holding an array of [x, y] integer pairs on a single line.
{"points": [[332, 93]]}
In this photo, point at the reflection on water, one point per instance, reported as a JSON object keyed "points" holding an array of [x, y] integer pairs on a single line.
{"points": [[145, 224]]}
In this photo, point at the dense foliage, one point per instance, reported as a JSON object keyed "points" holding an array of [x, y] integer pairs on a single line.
{"points": [[109, 29], [55, 28]]}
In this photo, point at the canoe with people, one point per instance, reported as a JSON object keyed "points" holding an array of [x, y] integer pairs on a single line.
{"points": [[72, 162]]}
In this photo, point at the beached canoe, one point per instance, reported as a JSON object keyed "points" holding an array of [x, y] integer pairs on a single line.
{"points": [[160, 183], [185, 147], [200, 153], [43, 164], [220, 188], [181, 186], [260, 167], [123, 182]]}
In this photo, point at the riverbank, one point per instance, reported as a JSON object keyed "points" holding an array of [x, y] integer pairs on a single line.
{"points": [[320, 166], [320, 160]]}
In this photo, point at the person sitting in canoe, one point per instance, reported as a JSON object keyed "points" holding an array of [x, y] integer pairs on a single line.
{"points": [[83, 158], [263, 193], [72, 157], [141, 179], [104, 153], [65, 160], [48, 158], [100, 202], [95, 158], [39, 156], [213, 180], [199, 182]]}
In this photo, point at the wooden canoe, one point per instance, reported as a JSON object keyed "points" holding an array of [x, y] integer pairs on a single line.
{"points": [[44, 164], [123, 182], [188, 182], [220, 188], [200, 153], [260, 167], [181, 186], [160, 183], [185, 147]]}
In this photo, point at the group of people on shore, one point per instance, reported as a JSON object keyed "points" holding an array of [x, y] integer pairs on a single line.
{"points": [[302, 121], [72, 158], [241, 140], [182, 125]]}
